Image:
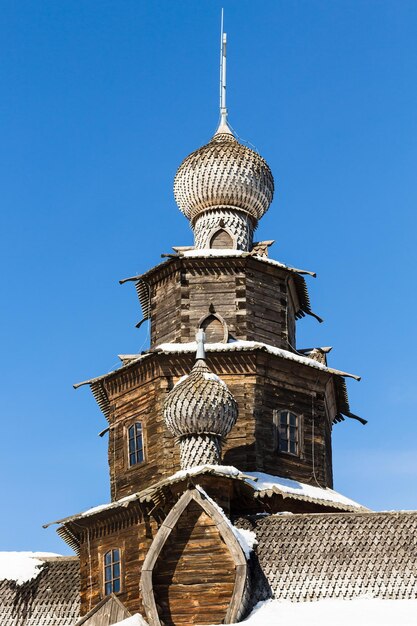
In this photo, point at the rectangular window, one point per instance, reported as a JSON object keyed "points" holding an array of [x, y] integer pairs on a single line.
{"points": [[135, 444], [287, 428], [112, 572]]}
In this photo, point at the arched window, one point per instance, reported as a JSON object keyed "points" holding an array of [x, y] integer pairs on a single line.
{"points": [[288, 432], [215, 329], [221, 240], [112, 572], [135, 443]]}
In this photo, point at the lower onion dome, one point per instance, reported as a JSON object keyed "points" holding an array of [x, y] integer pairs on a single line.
{"points": [[200, 411]]}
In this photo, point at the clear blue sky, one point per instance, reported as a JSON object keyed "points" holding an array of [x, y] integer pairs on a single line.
{"points": [[100, 102]]}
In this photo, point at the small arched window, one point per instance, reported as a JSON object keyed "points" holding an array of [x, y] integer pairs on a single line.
{"points": [[221, 240], [112, 572], [215, 329], [135, 443], [288, 432]]}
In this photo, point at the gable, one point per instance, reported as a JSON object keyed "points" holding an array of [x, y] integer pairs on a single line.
{"points": [[195, 571]]}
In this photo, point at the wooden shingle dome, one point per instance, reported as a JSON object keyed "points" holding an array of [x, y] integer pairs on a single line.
{"points": [[224, 174], [200, 411]]}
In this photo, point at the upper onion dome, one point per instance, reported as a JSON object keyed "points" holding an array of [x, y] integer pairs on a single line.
{"points": [[224, 174], [200, 403]]}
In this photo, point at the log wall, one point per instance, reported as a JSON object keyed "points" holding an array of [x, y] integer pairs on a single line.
{"points": [[252, 297], [133, 539], [260, 384]]}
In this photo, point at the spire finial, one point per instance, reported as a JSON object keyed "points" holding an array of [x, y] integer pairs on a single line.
{"points": [[200, 338], [223, 126], [223, 42]]}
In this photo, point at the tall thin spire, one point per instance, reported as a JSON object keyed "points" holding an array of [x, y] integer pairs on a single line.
{"points": [[223, 126]]}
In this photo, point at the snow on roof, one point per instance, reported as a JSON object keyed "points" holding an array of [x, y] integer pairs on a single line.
{"points": [[242, 344], [225, 470], [267, 482], [362, 611], [205, 253], [22, 566], [260, 482]]}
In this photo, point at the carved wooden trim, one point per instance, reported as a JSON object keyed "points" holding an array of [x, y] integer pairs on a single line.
{"points": [[148, 599]]}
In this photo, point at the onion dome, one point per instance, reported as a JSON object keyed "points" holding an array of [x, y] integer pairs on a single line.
{"points": [[200, 403], [200, 411], [224, 174]]}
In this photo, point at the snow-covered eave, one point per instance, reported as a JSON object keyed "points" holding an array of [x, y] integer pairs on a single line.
{"points": [[99, 392], [243, 345], [276, 491], [145, 495], [267, 485], [262, 484], [218, 254]]}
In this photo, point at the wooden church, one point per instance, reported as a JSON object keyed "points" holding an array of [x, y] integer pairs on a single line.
{"points": [[220, 437]]}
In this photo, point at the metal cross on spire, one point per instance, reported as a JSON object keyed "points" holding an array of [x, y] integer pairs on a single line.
{"points": [[223, 127]]}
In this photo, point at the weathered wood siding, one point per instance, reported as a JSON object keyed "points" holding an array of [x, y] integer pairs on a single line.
{"points": [[139, 396], [134, 540], [194, 576], [251, 296], [260, 384], [281, 385]]}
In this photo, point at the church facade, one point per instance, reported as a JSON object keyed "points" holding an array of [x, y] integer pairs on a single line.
{"points": [[220, 451]]}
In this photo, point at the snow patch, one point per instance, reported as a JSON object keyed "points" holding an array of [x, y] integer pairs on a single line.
{"points": [[257, 480], [94, 509], [134, 620], [246, 538], [212, 376], [181, 380], [211, 252], [363, 611], [226, 470], [22, 566]]}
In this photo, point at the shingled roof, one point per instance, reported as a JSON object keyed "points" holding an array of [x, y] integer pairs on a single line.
{"points": [[52, 598], [339, 555]]}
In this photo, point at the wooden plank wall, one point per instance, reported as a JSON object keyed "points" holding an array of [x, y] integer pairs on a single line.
{"points": [[142, 402], [165, 307], [195, 565], [251, 297], [134, 541], [194, 576], [266, 306], [259, 382]]}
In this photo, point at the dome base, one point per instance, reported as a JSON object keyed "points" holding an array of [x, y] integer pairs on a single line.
{"points": [[200, 450], [237, 224]]}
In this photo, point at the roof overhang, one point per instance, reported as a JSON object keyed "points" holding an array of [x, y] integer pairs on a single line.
{"points": [[259, 485]]}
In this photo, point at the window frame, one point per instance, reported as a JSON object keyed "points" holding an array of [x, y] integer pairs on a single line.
{"points": [[217, 229], [277, 413], [131, 422], [113, 562], [222, 321]]}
